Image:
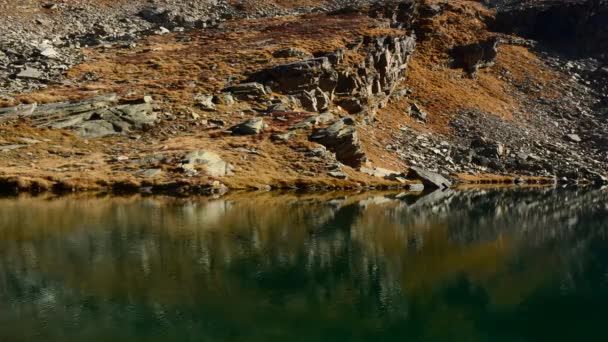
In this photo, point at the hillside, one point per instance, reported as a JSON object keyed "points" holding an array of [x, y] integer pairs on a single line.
{"points": [[202, 96]]}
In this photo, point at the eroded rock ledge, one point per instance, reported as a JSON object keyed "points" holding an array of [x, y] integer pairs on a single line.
{"points": [[98, 117], [361, 87]]}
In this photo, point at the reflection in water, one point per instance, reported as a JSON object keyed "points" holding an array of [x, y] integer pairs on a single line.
{"points": [[478, 265]]}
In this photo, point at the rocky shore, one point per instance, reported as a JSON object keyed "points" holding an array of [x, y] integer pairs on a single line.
{"points": [[204, 96]]}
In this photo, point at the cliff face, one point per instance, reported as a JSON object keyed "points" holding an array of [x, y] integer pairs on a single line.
{"points": [[577, 28], [307, 94]]}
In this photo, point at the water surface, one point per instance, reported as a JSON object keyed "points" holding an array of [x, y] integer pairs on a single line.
{"points": [[475, 265]]}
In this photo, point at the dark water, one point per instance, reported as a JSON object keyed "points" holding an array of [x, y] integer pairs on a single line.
{"points": [[516, 265]]}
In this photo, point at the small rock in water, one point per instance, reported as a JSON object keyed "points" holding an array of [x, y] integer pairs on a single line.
{"points": [[416, 187], [429, 179]]}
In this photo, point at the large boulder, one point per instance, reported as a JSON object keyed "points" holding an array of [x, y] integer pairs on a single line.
{"points": [[431, 180], [250, 90], [341, 138], [249, 127], [477, 55], [210, 162]]}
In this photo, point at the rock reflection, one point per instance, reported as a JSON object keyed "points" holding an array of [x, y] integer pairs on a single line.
{"points": [[268, 265]]}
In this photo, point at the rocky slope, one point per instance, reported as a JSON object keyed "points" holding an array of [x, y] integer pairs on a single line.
{"points": [[204, 95]]}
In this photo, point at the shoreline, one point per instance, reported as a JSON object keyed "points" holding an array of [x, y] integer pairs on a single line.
{"points": [[15, 186]]}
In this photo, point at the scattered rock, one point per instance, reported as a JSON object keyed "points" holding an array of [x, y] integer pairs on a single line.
{"points": [[249, 127], [224, 99], [30, 73], [284, 136], [49, 52], [205, 102], [573, 138], [246, 90], [418, 113]]}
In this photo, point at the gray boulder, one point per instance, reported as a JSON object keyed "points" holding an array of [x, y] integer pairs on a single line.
{"points": [[341, 138], [431, 180], [205, 102], [247, 90], [249, 127], [30, 73], [575, 138], [210, 162]]}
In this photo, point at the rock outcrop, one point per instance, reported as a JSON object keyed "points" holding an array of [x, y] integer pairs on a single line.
{"points": [[93, 118], [325, 80]]}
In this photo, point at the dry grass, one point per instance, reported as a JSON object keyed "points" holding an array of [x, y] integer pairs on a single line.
{"points": [[174, 67], [444, 92]]}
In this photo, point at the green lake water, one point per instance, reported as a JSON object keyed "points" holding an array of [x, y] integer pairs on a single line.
{"points": [[470, 265]]}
